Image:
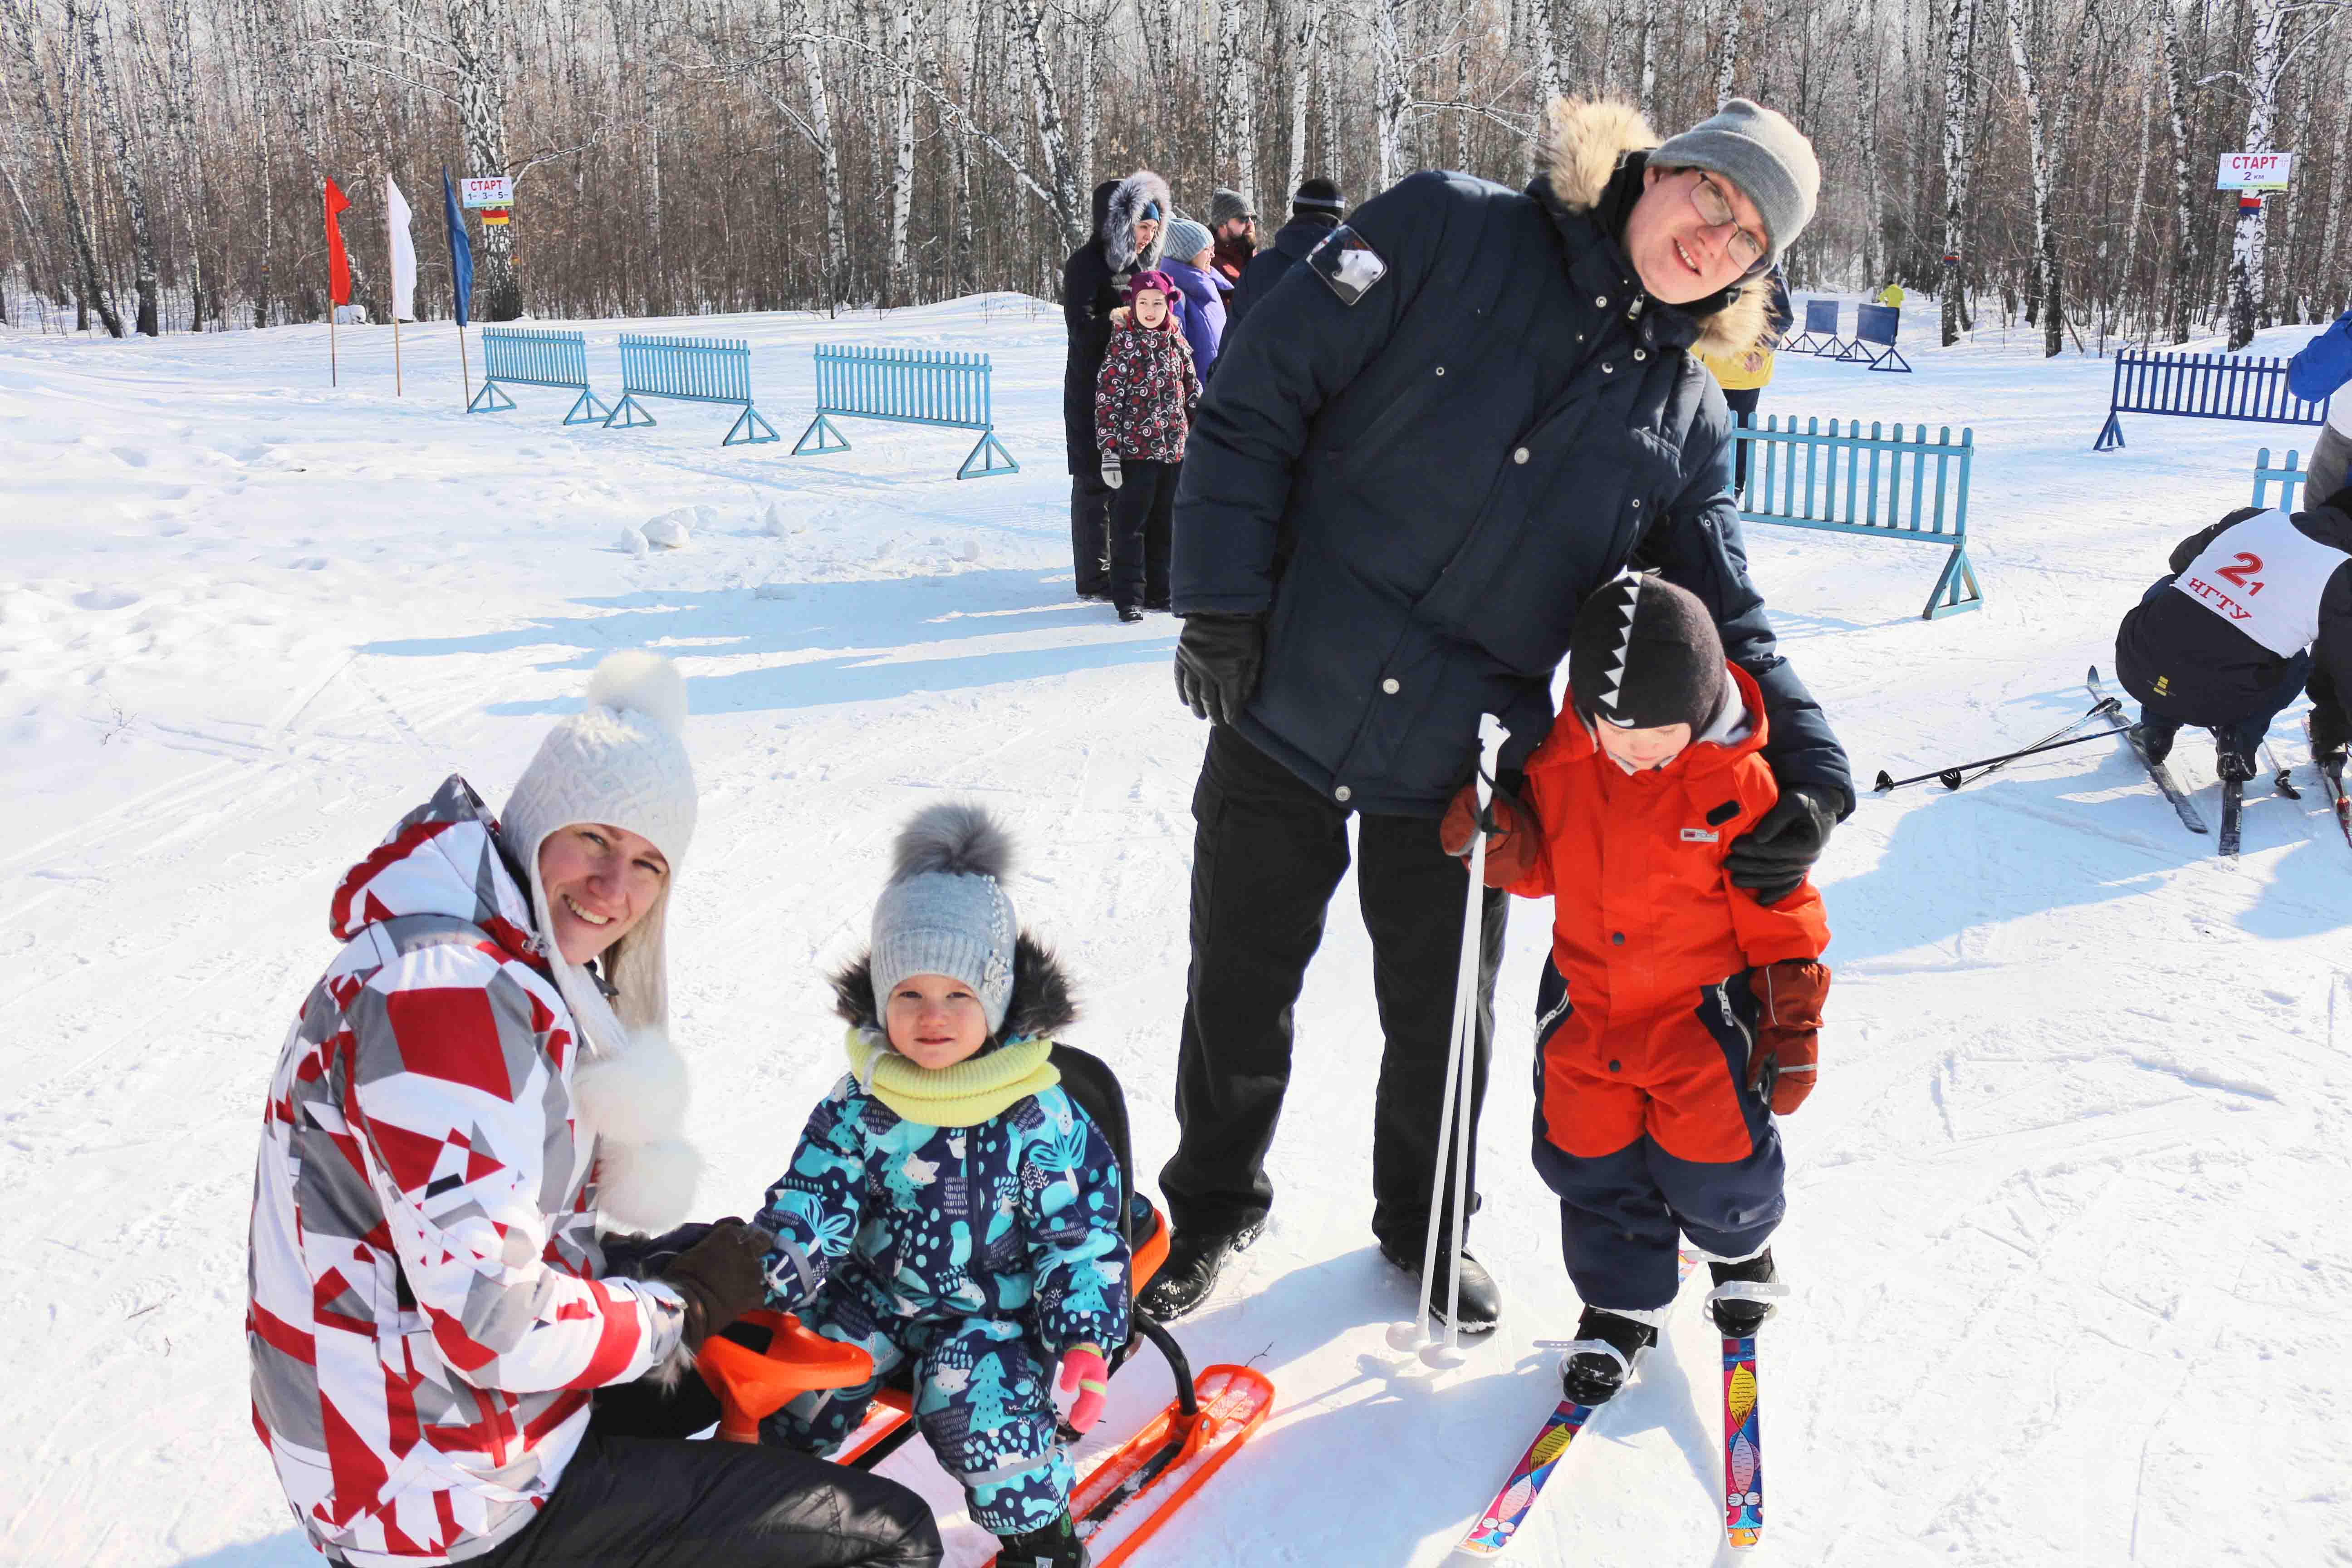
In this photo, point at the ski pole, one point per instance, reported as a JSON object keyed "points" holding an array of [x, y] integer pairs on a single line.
{"points": [[1454, 1114], [1951, 777]]}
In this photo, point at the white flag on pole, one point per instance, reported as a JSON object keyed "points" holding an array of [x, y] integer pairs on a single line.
{"points": [[404, 253]]}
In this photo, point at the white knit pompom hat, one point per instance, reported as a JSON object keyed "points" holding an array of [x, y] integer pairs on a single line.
{"points": [[620, 761]]}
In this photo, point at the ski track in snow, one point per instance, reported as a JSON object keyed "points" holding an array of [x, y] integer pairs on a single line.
{"points": [[2065, 1286]]}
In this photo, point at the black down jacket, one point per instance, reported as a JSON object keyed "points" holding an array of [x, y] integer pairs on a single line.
{"points": [[1291, 243], [1419, 490]]}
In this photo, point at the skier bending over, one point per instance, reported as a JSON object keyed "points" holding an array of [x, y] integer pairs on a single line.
{"points": [[948, 1205], [2226, 638], [1678, 1012]]}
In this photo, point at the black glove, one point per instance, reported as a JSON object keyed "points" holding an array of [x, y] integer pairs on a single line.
{"points": [[1770, 859], [644, 1257], [1216, 664], [719, 1277]]}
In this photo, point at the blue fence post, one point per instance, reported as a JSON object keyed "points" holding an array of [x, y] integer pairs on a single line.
{"points": [[941, 388]]}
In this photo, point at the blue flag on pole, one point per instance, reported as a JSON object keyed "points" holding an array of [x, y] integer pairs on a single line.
{"points": [[461, 250]]}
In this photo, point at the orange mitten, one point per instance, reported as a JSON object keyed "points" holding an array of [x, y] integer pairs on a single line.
{"points": [[1512, 841], [1787, 1053]]}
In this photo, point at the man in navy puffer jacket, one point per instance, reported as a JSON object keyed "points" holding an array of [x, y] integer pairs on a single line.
{"points": [[1468, 409]]}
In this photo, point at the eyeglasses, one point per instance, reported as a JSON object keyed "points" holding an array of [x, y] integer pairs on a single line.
{"points": [[1715, 210]]}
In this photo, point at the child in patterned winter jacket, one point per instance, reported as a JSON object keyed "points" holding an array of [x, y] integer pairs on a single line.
{"points": [[1144, 399], [948, 1204]]}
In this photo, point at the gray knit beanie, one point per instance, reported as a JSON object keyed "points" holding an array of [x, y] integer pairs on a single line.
{"points": [[1757, 149], [1226, 206], [1186, 239], [945, 910]]}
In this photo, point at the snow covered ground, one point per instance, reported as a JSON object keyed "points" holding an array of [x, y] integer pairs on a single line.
{"points": [[2062, 1209]]}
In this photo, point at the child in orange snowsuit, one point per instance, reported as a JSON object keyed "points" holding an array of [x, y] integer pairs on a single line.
{"points": [[1677, 1014]]}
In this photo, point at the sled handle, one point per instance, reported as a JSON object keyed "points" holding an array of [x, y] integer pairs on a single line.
{"points": [[751, 1384]]}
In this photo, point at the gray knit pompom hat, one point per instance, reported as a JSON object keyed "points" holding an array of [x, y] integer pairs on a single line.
{"points": [[945, 910]]}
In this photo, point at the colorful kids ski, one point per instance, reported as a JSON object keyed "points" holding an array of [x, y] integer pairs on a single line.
{"points": [[1502, 1518], [1743, 1446]]}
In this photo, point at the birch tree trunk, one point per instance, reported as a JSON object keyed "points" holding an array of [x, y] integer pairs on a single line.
{"points": [[1070, 208], [2139, 187], [2267, 19], [476, 32], [126, 172], [1869, 62], [828, 152], [2176, 97], [92, 289], [1304, 30], [897, 286], [1727, 57], [1543, 21], [2331, 263], [2291, 286], [1960, 151], [1389, 87], [1649, 100], [2042, 148], [1233, 106]]}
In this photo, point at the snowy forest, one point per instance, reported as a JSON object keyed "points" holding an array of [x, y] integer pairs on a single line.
{"points": [[163, 159]]}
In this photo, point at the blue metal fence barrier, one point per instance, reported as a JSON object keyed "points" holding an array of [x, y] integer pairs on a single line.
{"points": [[908, 386], [525, 357], [692, 370], [2289, 479], [1877, 325], [1879, 486], [1820, 333], [2204, 386]]}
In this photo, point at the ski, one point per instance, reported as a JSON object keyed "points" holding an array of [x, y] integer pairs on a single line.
{"points": [[2331, 781], [1148, 1478], [2157, 771], [2233, 808], [1501, 1519], [1743, 1446]]}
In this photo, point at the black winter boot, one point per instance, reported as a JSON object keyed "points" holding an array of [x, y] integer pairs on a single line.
{"points": [[2154, 736], [1592, 1376], [1184, 1281], [2232, 766], [1481, 1299], [1738, 1311], [1054, 1545]]}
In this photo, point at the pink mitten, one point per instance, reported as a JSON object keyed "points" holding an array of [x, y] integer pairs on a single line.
{"points": [[1084, 1369]]}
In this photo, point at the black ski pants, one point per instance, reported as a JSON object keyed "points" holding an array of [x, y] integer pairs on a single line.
{"points": [[1139, 512], [1090, 532], [1268, 850], [636, 1495]]}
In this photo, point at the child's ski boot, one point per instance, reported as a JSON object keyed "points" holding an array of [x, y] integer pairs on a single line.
{"points": [[1744, 1294], [1609, 1346]]}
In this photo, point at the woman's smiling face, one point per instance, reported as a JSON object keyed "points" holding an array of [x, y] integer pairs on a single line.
{"points": [[600, 881]]}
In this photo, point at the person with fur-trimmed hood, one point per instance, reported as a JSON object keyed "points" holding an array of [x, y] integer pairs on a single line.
{"points": [[1437, 435], [465, 1345], [1131, 216], [949, 1204]]}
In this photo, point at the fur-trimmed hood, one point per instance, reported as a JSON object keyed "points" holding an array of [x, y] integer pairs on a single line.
{"points": [[1118, 230], [1593, 140], [1042, 999]]}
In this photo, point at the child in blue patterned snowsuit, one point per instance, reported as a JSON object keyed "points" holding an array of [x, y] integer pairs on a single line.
{"points": [[948, 1205]]}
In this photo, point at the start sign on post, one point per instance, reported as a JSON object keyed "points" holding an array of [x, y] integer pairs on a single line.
{"points": [[2255, 171], [496, 191]]}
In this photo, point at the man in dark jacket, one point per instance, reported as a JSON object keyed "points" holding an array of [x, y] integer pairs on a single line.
{"points": [[1129, 215], [2252, 606], [1234, 228], [1438, 436], [1315, 211]]}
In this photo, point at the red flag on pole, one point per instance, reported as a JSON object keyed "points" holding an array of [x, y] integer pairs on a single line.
{"points": [[339, 265]]}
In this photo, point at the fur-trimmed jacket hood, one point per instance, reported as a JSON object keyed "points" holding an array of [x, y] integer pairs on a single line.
{"points": [[1042, 1002], [1142, 188], [1599, 149]]}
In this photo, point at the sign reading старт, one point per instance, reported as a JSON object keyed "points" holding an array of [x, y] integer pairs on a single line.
{"points": [[2254, 171], [496, 191]]}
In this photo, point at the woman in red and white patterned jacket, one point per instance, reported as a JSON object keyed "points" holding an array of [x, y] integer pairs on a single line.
{"points": [[1144, 399], [446, 1347]]}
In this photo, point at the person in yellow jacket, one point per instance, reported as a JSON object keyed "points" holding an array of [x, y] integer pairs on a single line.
{"points": [[1743, 376]]}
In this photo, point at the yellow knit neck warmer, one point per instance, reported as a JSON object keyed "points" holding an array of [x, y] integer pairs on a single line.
{"points": [[974, 1090]]}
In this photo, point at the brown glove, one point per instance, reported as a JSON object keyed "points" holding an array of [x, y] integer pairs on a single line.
{"points": [[719, 1277], [1787, 1054], [1514, 838]]}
